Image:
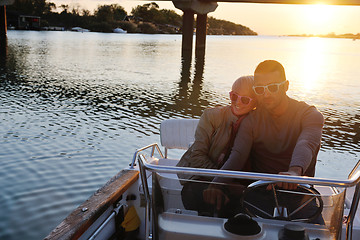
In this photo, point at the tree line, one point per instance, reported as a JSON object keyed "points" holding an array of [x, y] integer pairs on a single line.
{"points": [[146, 18]]}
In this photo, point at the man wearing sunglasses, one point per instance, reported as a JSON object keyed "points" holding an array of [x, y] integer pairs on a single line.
{"points": [[281, 137]]}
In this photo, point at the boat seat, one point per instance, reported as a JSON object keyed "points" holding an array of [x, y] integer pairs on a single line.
{"points": [[170, 185], [169, 182], [174, 134], [177, 133]]}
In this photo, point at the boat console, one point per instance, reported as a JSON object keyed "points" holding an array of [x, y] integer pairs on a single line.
{"points": [[184, 226], [315, 210]]}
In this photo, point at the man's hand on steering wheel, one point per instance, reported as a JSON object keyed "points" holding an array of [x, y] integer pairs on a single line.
{"points": [[215, 196], [303, 204], [293, 171]]}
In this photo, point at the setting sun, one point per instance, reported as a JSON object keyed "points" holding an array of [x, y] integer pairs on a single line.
{"points": [[318, 15]]}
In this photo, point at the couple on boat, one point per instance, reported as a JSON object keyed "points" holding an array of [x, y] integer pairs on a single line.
{"points": [[262, 130]]}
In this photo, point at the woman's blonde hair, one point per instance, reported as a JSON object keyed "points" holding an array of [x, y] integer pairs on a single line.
{"points": [[244, 82]]}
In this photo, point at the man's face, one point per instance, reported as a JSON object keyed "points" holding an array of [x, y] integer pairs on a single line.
{"points": [[274, 92]]}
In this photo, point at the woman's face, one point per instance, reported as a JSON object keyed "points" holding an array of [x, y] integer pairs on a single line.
{"points": [[242, 100]]}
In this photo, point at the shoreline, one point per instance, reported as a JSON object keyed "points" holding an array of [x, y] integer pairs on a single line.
{"points": [[342, 36], [330, 35]]}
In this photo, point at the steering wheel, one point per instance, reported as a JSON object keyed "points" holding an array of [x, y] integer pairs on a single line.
{"points": [[303, 204]]}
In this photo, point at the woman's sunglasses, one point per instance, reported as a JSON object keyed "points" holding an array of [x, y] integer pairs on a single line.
{"points": [[272, 88], [244, 100]]}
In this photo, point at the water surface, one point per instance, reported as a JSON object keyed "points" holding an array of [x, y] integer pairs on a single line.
{"points": [[75, 106]]}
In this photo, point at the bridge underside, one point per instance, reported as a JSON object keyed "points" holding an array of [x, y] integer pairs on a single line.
{"points": [[328, 2], [203, 7], [190, 8]]}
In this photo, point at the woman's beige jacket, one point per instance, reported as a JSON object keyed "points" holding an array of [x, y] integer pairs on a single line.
{"points": [[211, 137]]}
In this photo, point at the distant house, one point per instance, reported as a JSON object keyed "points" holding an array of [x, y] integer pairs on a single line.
{"points": [[29, 22], [23, 22]]}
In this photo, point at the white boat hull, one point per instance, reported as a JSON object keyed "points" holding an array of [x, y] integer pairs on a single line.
{"points": [[102, 215]]}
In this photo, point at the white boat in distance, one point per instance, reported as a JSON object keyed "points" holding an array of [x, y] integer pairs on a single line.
{"points": [[79, 29], [150, 207], [119, 30]]}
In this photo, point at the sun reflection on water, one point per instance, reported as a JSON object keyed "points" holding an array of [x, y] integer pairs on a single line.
{"points": [[313, 64]]}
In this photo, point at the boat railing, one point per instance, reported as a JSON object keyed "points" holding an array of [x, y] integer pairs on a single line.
{"points": [[350, 182], [152, 146], [353, 178]]}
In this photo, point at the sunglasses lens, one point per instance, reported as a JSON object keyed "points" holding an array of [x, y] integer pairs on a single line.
{"points": [[259, 90], [245, 100], [233, 97], [273, 88]]}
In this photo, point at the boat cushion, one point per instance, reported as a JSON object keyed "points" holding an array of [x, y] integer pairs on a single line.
{"points": [[178, 133]]}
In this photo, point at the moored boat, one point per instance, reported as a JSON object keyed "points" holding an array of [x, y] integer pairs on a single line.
{"points": [[144, 202], [119, 30], [79, 29]]}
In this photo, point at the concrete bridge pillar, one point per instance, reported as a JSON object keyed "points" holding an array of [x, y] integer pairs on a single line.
{"points": [[201, 22], [3, 37], [190, 8], [187, 30]]}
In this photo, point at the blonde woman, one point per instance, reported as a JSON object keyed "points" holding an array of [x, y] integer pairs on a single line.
{"points": [[214, 138]]}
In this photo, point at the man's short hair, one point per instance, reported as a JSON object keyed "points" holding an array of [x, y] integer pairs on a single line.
{"points": [[269, 66]]}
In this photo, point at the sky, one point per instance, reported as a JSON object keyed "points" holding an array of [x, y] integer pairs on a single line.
{"points": [[265, 19]]}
